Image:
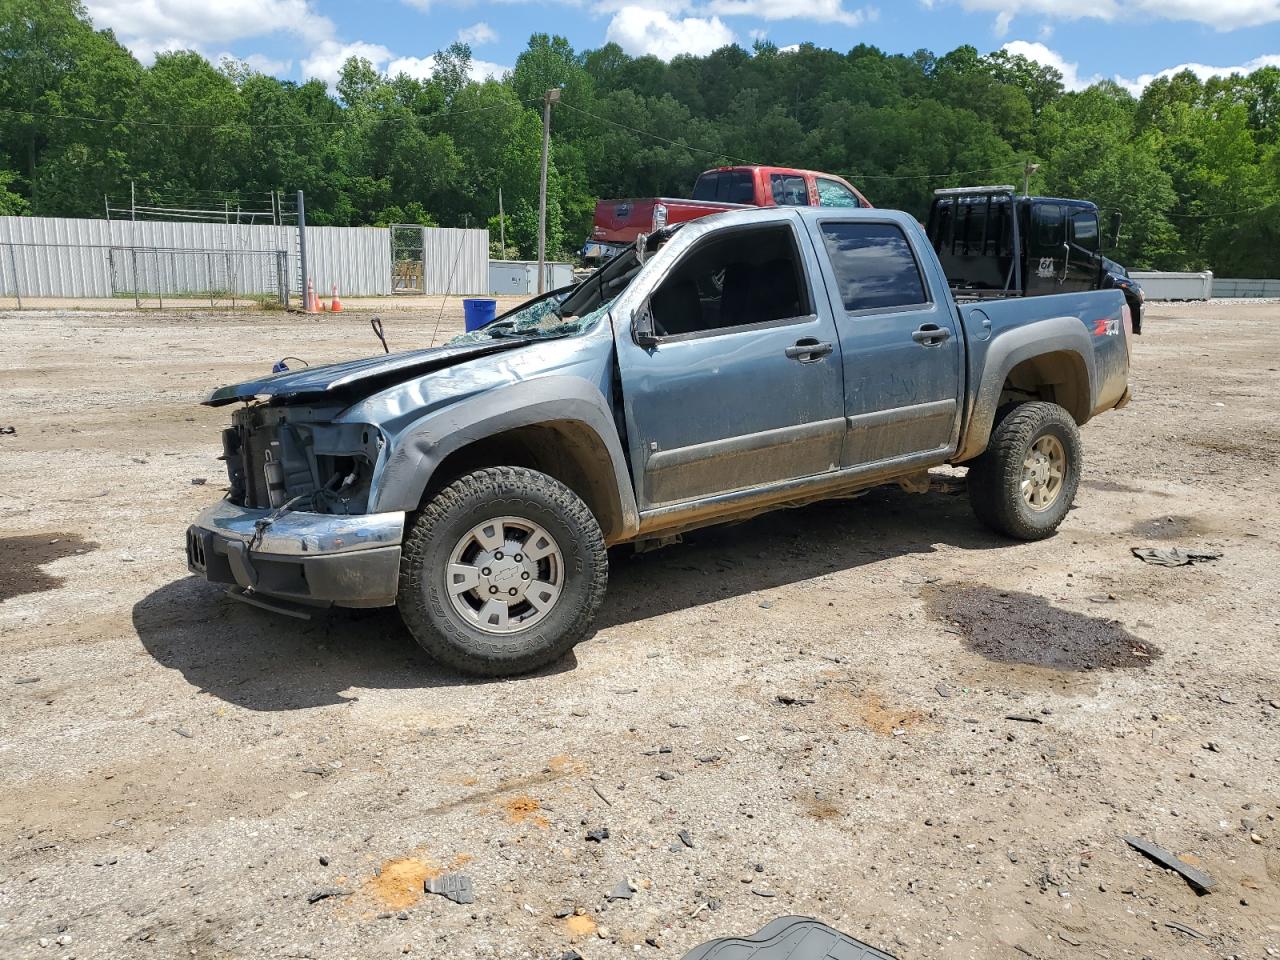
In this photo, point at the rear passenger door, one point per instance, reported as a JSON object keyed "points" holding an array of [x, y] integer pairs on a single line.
{"points": [[1047, 249], [1082, 241], [900, 345]]}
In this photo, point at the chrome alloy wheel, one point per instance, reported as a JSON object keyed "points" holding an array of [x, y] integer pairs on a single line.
{"points": [[505, 575], [1043, 471]]}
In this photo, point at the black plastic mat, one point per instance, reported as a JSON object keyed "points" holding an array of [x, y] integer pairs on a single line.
{"points": [[789, 938]]}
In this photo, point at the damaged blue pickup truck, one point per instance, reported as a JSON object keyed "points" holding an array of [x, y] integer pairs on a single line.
{"points": [[736, 364]]}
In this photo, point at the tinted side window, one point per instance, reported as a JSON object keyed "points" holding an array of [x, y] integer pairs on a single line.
{"points": [[726, 186], [833, 194], [1084, 229], [874, 265], [1048, 217], [789, 191]]}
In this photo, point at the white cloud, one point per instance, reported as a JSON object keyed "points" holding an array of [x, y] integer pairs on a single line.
{"points": [[1201, 70], [640, 31], [820, 11], [328, 56], [1003, 21], [477, 34], [147, 27], [422, 67], [257, 62], [1221, 15], [327, 60], [1041, 54]]}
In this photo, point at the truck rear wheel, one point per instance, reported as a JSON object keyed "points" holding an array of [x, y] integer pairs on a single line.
{"points": [[502, 572], [1024, 483]]}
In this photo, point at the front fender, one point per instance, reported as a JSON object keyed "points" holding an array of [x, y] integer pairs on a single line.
{"points": [[418, 450]]}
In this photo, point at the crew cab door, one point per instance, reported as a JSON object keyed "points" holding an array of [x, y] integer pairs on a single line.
{"points": [[741, 384], [900, 341], [1083, 259]]}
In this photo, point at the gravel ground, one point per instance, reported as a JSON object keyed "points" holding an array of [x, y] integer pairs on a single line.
{"points": [[871, 712]]}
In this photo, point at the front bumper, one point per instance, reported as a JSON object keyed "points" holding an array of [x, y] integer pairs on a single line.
{"points": [[313, 558]]}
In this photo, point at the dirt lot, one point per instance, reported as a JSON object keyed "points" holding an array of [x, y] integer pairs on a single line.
{"points": [[974, 724]]}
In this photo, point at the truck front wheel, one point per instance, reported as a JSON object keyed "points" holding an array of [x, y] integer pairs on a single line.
{"points": [[1024, 483], [502, 572]]}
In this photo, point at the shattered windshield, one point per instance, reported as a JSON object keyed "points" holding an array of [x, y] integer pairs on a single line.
{"points": [[543, 320], [564, 313]]}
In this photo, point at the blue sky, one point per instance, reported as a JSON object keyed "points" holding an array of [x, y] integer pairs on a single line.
{"points": [[1128, 40]]}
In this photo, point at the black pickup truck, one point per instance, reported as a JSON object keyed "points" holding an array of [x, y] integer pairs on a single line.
{"points": [[1052, 246]]}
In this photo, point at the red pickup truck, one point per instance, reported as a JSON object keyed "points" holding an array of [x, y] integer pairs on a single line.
{"points": [[619, 222]]}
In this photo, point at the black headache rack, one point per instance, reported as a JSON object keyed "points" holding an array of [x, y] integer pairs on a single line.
{"points": [[975, 232]]}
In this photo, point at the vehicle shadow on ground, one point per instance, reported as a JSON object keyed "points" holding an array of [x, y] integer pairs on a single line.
{"points": [[789, 546], [264, 661]]}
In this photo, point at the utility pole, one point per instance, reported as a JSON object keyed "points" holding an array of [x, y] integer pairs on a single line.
{"points": [[1027, 171], [548, 98], [502, 226]]}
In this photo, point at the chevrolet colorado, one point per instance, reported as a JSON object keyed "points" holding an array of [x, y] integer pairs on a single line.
{"points": [[742, 362]]}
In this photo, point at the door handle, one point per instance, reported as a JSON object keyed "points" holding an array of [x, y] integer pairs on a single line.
{"points": [[809, 350], [1066, 262], [931, 335]]}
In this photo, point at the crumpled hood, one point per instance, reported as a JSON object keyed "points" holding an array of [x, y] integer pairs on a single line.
{"points": [[366, 374]]}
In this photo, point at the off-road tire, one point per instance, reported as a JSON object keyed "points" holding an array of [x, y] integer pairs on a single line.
{"points": [[995, 478], [425, 605]]}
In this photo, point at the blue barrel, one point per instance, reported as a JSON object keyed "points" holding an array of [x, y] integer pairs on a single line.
{"points": [[477, 312]]}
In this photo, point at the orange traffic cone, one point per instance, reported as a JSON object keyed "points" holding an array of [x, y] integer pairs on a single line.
{"points": [[336, 306], [313, 302]]}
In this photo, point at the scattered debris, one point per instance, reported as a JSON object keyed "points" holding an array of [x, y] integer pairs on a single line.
{"points": [[1199, 881], [325, 893], [1066, 939], [686, 838], [453, 886], [8, 431], [761, 892], [789, 938], [1022, 718], [943, 690], [199, 481], [1173, 557], [182, 732], [27, 680], [791, 700], [598, 836], [654, 753], [666, 775], [1183, 928], [596, 791], [708, 758], [625, 890]]}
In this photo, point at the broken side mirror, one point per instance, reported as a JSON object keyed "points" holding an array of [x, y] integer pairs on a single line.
{"points": [[642, 326], [1113, 238]]}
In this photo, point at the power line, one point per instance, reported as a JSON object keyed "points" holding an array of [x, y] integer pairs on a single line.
{"points": [[233, 124], [932, 176], [1224, 213], [646, 133]]}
